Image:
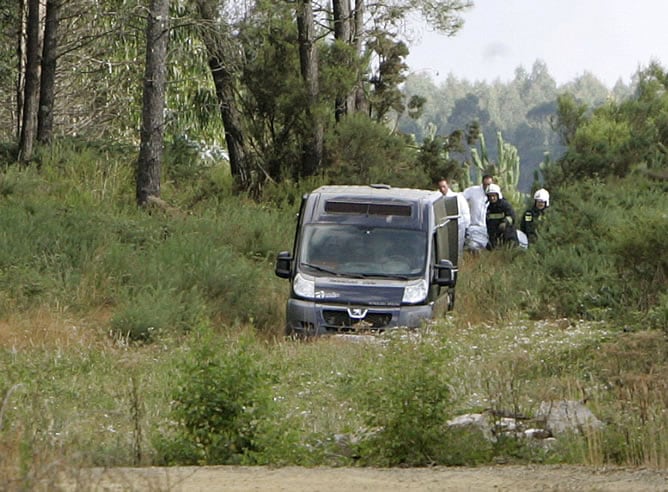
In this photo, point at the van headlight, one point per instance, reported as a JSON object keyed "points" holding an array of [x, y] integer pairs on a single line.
{"points": [[416, 292], [304, 286]]}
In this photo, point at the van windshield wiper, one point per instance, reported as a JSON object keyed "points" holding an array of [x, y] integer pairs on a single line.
{"points": [[320, 268], [332, 272], [397, 276]]}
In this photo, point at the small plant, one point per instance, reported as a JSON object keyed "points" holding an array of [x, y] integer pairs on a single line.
{"points": [[404, 398], [222, 394]]}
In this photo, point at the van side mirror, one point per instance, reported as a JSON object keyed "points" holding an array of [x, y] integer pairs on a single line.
{"points": [[445, 273], [283, 264]]}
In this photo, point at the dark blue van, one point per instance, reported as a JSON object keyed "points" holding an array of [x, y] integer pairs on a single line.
{"points": [[370, 258]]}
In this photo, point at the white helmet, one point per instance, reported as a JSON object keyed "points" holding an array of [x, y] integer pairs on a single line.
{"points": [[543, 195], [494, 188]]}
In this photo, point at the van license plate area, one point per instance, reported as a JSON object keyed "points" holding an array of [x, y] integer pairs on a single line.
{"points": [[340, 320]]}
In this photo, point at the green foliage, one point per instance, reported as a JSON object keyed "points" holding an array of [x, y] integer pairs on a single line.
{"points": [[341, 65], [154, 312], [404, 399], [187, 162], [435, 157], [364, 152], [273, 100], [386, 94], [615, 138], [657, 317], [221, 396], [76, 262], [598, 148], [599, 255], [69, 240]]}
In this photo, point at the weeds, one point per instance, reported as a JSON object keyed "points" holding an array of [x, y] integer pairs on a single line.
{"points": [[580, 316]]}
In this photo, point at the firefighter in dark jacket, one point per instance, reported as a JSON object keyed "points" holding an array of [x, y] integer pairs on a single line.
{"points": [[535, 215], [500, 219]]}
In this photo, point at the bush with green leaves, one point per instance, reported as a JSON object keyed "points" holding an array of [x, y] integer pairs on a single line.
{"points": [[600, 253], [364, 152], [222, 393], [404, 399]]}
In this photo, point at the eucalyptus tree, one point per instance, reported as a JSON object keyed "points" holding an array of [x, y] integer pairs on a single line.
{"points": [[386, 39], [82, 70], [47, 86], [308, 57], [31, 89], [345, 32], [149, 164], [278, 66], [587, 87], [225, 63], [11, 71]]}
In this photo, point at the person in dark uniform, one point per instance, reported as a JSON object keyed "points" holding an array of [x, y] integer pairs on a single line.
{"points": [[500, 219], [535, 215]]}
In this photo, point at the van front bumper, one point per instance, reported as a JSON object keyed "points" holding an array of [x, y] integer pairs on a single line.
{"points": [[308, 318]]}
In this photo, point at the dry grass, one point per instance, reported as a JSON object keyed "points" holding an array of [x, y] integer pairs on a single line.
{"points": [[45, 328]]}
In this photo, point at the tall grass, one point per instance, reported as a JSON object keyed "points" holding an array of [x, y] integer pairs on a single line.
{"points": [[118, 328]]}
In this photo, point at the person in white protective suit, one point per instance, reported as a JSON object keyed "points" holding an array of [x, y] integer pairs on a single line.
{"points": [[476, 198]]}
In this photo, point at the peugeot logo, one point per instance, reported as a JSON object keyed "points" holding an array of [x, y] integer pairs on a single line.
{"points": [[357, 313]]}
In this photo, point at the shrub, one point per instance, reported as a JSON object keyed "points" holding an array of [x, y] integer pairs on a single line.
{"points": [[155, 312], [658, 316], [602, 251], [403, 396], [222, 393], [363, 152]]}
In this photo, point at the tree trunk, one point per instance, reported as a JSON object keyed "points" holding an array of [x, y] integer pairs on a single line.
{"points": [[342, 32], [31, 89], [308, 57], [359, 96], [223, 74], [21, 36], [149, 165], [48, 79]]}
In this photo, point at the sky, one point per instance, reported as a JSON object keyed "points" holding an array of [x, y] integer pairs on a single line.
{"points": [[609, 38]]}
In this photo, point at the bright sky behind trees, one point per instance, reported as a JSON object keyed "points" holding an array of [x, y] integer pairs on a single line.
{"points": [[609, 38]]}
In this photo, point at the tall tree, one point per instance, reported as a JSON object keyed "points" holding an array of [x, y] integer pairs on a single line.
{"points": [[47, 86], [343, 29], [224, 70], [149, 164], [31, 89], [308, 56]]}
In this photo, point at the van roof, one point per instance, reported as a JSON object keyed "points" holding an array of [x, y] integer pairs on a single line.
{"points": [[378, 192]]}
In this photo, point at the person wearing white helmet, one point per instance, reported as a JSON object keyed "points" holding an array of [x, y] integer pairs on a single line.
{"points": [[500, 219], [535, 215]]}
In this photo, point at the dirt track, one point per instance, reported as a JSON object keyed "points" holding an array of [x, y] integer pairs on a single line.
{"points": [[295, 479]]}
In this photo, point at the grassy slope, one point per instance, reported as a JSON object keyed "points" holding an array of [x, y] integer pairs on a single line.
{"points": [[83, 274]]}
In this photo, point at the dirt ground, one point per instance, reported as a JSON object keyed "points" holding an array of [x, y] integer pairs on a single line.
{"points": [[294, 479]]}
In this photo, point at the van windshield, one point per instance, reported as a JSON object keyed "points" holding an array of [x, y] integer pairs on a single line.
{"points": [[353, 250]]}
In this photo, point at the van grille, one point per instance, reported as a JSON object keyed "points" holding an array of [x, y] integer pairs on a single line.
{"points": [[341, 321]]}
